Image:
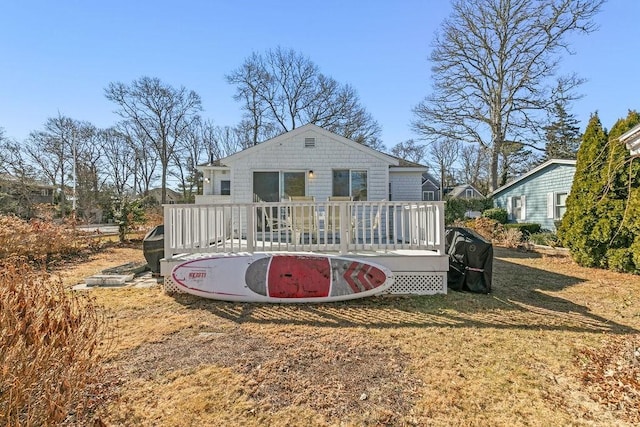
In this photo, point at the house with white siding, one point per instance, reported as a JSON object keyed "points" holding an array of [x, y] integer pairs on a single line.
{"points": [[539, 196], [311, 190], [313, 162]]}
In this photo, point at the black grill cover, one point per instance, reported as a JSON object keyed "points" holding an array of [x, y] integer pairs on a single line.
{"points": [[153, 248], [470, 260]]}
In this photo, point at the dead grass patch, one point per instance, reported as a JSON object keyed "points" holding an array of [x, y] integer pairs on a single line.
{"points": [[518, 356]]}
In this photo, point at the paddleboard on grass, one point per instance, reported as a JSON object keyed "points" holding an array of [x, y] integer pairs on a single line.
{"points": [[281, 278]]}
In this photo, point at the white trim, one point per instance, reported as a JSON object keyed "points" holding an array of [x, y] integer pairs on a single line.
{"points": [[523, 207], [631, 139], [551, 205], [533, 171]]}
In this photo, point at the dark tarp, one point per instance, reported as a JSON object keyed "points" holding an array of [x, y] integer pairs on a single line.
{"points": [[153, 248], [470, 260]]}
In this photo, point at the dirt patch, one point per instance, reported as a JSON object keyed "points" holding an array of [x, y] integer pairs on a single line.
{"points": [[335, 375]]}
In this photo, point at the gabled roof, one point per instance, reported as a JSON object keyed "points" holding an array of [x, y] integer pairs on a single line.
{"points": [[254, 150], [426, 176], [459, 189], [534, 171]]}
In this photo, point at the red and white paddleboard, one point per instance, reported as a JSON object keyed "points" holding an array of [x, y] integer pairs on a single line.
{"points": [[281, 278]]}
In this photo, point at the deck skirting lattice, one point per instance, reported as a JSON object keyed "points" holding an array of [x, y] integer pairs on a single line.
{"points": [[410, 283], [418, 283]]}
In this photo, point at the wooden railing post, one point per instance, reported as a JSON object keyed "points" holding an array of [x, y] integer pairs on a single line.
{"points": [[345, 227], [168, 232], [251, 227]]}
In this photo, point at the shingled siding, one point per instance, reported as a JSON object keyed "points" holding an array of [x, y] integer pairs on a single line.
{"points": [[405, 186], [540, 190], [291, 155]]}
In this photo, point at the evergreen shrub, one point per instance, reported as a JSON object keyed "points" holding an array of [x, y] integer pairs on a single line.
{"points": [[525, 228], [497, 214]]}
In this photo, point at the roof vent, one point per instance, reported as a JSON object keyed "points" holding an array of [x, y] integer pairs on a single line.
{"points": [[309, 143]]}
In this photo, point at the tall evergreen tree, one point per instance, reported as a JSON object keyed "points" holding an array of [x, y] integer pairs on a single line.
{"points": [[615, 226], [562, 134], [578, 223], [601, 224]]}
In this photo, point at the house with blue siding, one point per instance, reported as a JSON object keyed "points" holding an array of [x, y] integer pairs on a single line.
{"points": [[540, 195]]}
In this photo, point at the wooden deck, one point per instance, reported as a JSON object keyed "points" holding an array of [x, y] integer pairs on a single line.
{"points": [[406, 237]]}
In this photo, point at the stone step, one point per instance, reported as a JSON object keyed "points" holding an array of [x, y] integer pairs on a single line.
{"points": [[108, 279]]}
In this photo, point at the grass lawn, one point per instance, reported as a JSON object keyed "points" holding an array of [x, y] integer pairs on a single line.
{"points": [[553, 344]]}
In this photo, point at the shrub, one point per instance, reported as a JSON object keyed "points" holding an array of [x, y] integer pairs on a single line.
{"points": [[48, 346], [37, 239], [496, 214], [487, 228], [455, 209], [511, 238], [545, 238], [526, 229], [621, 260]]}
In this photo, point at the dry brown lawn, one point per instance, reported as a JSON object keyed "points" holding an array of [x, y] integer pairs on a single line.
{"points": [[553, 344]]}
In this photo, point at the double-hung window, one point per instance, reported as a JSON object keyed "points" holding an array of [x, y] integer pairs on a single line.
{"points": [[516, 208], [556, 205]]}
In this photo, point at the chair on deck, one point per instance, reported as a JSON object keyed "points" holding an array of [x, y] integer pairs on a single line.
{"points": [[333, 215], [303, 217]]}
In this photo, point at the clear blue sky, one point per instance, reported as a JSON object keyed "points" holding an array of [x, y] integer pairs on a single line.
{"points": [[58, 56]]}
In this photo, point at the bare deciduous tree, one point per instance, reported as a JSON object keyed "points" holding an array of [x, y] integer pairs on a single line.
{"points": [[474, 162], [445, 153], [409, 150], [158, 111], [283, 89], [118, 155], [495, 71]]}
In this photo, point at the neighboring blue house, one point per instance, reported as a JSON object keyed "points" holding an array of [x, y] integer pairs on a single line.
{"points": [[540, 195]]}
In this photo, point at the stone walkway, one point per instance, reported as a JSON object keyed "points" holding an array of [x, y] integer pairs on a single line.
{"points": [[143, 280]]}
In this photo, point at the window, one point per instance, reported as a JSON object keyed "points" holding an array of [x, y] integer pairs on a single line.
{"points": [[428, 196], [293, 184], [468, 193], [561, 204], [516, 208], [225, 188], [351, 183], [272, 186]]}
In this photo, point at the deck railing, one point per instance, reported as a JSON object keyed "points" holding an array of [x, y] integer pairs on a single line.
{"points": [[340, 227]]}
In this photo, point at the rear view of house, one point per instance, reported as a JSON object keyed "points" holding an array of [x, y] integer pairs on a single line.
{"points": [[538, 196], [310, 162]]}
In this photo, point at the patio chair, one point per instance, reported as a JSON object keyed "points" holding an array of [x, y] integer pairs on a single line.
{"points": [[333, 215], [274, 222], [303, 218]]}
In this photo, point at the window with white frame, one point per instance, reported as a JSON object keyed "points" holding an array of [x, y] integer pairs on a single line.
{"points": [[350, 182], [516, 207], [561, 204], [468, 193], [428, 196], [556, 204]]}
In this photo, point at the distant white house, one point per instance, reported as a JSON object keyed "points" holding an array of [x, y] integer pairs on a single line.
{"points": [[310, 161], [631, 139]]}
